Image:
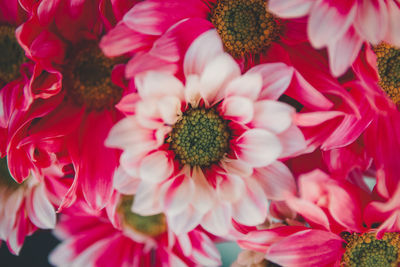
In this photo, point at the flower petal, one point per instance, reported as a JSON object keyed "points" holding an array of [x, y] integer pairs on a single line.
{"points": [[155, 167], [238, 109], [40, 211], [272, 115]]}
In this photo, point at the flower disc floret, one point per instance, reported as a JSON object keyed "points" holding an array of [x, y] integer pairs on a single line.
{"points": [[151, 226], [365, 250], [88, 78], [388, 60], [244, 26], [12, 55], [200, 137]]}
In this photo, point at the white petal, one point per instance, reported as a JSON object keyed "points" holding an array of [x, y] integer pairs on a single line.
{"points": [[230, 188], [204, 48], [276, 79], [276, 180], [170, 109], [124, 183], [216, 75], [177, 193], [204, 194], [258, 147], [290, 8], [251, 210], [326, 23], [218, 220], [153, 84], [292, 141], [272, 115], [40, 211], [155, 167], [238, 109], [187, 220], [146, 200], [248, 85]]}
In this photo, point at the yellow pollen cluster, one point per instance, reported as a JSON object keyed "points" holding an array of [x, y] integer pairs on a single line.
{"points": [[365, 250], [88, 79], [245, 26], [151, 226], [12, 55], [200, 138], [388, 60]]}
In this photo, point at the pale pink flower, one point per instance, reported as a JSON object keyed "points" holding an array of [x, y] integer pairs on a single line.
{"points": [[122, 238], [207, 151], [343, 26]]}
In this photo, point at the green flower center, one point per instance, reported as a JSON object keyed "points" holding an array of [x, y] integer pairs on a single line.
{"points": [[200, 137], [152, 226], [244, 26], [388, 60], [12, 55], [364, 250], [88, 79], [6, 179]]}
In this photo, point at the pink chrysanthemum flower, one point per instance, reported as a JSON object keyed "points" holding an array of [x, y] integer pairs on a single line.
{"points": [[28, 206], [208, 151], [63, 36], [342, 26], [90, 238], [339, 234], [157, 32]]}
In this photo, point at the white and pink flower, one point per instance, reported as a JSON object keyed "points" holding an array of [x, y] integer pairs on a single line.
{"points": [[207, 151], [343, 26]]}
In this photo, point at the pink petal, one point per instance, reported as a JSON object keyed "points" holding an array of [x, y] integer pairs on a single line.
{"points": [[204, 49], [372, 20], [251, 209], [121, 39], [276, 79], [218, 220], [40, 211], [328, 22], [204, 194], [272, 115], [248, 85], [276, 180], [230, 188], [292, 141], [309, 211], [174, 191], [142, 62], [155, 17], [238, 109], [258, 147], [307, 248], [156, 167], [206, 253], [393, 35], [146, 200], [343, 52], [184, 221], [290, 8]]}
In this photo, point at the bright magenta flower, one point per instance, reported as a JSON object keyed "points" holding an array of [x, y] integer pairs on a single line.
{"points": [[343, 26], [128, 239], [339, 234], [157, 33], [28, 206], [62, 36], [221, 132]]}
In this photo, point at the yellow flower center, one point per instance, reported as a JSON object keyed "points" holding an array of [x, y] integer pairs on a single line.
{"points": [[87, 78], [12, 55], [364, 250], [388, 60], [245, 26], [151, 226], [200, 137]]}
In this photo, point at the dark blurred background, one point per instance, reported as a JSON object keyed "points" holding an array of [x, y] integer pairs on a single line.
{"points": [[34, 252]]}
